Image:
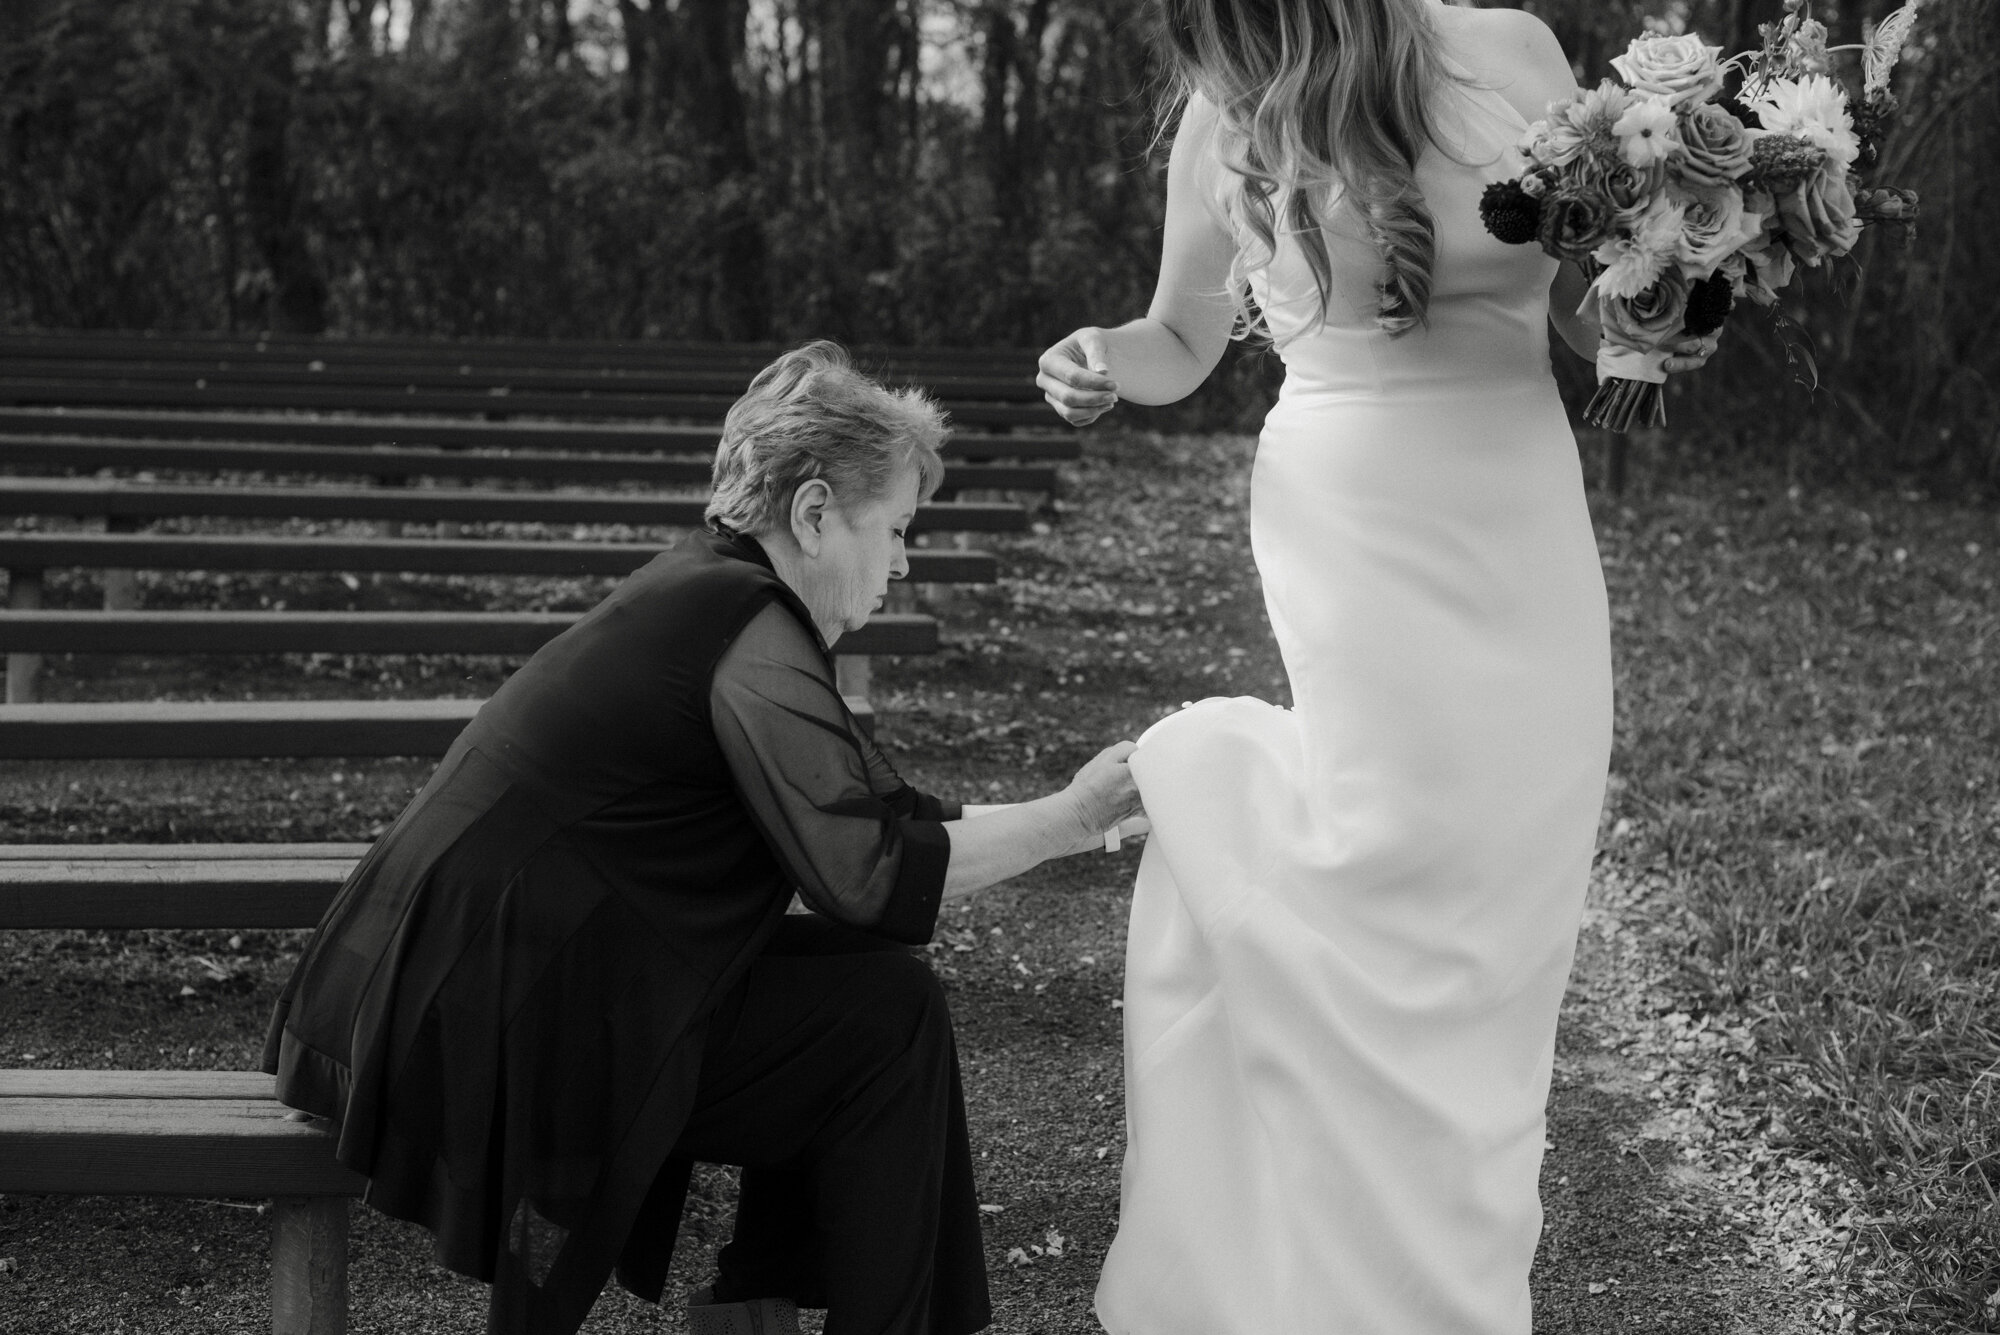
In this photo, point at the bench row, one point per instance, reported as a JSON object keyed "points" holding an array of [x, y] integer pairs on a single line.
{"points": [[903, 362], [311, 373], [119, 387], [405, 461], [150, 500], [454, 433], [222, 1133]]}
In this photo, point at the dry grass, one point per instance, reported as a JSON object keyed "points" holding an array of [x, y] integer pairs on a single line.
{"points": [[1809, 748]]}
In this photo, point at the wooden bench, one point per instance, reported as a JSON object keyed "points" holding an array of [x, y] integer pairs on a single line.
{"points": [[896, 363], [649, 388], [458, 433], [86, 454], [108, 887], [28, 382], [184, 1133], [147, 500], [192, 1133]]}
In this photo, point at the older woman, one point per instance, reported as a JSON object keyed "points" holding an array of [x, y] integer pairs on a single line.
{"points": [[566, 972]]}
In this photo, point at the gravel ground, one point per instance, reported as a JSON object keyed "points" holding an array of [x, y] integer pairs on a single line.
{"points": [[1663, 1213], [1636, 1238]]}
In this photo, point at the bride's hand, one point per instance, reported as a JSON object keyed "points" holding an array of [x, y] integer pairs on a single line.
{"points": [[1691, 353], [1074, 377]]}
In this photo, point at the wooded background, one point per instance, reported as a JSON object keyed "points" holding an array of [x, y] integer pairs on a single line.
{"points": [[959, 172]]}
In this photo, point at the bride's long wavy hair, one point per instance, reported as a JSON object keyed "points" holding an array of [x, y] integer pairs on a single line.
{"points": [[1318, 97]]}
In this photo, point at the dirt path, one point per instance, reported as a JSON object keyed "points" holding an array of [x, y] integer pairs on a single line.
{"points": [[1640, 1235], [1652, 1221]]}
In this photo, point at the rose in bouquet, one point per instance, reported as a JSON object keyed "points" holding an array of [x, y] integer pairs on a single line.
{"points": [[1677, 199]]}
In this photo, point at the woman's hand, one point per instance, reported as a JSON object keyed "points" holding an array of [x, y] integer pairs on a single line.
{"points": [[989, 845], [1074, 377], [1103, 794], [1691, 353]]}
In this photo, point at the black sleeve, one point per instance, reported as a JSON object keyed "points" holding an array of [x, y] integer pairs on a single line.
{"points": [[862, 846]]}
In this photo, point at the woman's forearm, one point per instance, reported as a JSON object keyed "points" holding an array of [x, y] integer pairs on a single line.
{"points": [[1154, 364], [991, 845]]}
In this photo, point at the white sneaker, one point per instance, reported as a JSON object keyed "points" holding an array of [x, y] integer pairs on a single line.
{"points": [[758, 1316]]}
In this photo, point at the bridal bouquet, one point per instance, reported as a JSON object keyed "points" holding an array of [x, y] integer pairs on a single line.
{"points": [[1677, 199]]}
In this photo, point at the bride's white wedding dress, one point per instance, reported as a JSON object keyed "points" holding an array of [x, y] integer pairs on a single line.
{"points": [[1355, 918]]}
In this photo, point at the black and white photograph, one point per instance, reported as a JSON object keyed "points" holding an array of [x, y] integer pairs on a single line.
{"points": [[1051, 667]]}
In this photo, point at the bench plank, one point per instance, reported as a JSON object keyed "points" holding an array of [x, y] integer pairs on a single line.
{"points": [[246, 729], [332, 349], [63, 496], [106, 893], [455, 556], [588, 437], [87, 389], [166, 1147], [407, 461], [310, 375], [84, 853], [208, 632], [37, 1083], [232, 729]]}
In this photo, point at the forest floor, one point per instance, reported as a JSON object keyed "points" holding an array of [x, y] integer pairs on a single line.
{"points": [[1773, 1105]]}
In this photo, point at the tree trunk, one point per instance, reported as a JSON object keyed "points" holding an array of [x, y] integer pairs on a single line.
{"points": [[640, 107], [995, 140], [271, 194], [714, 112], [562, 34]]}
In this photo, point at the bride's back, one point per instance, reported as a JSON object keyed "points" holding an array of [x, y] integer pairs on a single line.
{"points": [[1487, 316]]}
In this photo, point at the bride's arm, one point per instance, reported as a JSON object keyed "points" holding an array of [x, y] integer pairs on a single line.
{"points": [[1164, 356], [1565, 296], [1531, 72]]}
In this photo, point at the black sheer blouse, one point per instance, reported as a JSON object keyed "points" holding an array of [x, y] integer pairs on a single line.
{"points": [[817, 787], [504, 1008]]}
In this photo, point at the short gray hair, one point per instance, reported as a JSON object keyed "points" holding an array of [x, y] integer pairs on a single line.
{"points": [[809, 415]]}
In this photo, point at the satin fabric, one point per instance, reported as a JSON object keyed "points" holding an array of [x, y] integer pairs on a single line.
{"points": [[1355, 917]]}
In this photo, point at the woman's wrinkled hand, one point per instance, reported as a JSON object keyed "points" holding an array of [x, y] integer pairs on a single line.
{"points": [[1074, 377], [1691, 353], [1103, 794]]}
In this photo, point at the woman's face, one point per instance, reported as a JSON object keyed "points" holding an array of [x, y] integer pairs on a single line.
{"points": [[860, 551]]}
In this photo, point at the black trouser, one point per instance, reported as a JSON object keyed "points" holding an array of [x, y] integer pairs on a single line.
{"points": [[831, 1077]]}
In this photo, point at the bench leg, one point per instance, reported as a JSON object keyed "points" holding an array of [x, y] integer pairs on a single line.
{"points": [[850, 674], [121, 587], [24, 594], [309, 1265]]}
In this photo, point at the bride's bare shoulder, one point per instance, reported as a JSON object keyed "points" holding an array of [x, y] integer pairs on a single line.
{"points": [[1511, 51]]}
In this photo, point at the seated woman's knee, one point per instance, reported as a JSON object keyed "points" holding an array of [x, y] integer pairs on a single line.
{"points": [[904, 1002]]}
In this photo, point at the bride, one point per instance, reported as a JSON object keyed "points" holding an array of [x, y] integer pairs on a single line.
{"points": [[1355, 918]]}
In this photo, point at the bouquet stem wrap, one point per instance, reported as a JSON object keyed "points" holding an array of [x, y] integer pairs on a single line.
{"points": [[1628, 389]]}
